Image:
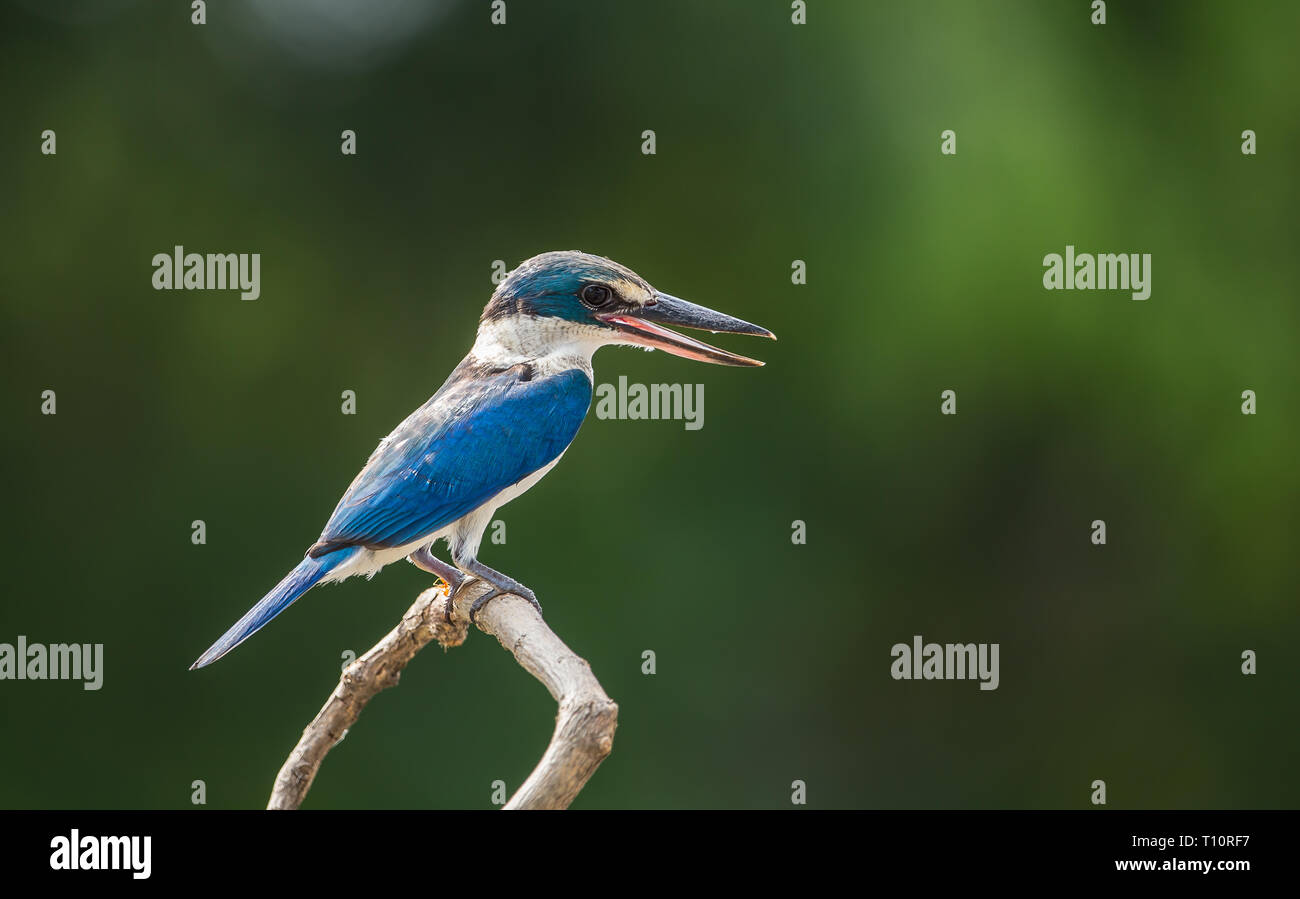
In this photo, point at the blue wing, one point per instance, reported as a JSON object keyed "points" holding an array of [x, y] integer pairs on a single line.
{"points": [[479, 434]]}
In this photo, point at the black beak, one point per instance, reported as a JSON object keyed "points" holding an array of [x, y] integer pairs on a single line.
{"points": [[642, 329]]}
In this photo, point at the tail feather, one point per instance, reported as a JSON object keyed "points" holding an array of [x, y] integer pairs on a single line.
{"points": [[297, 582]]}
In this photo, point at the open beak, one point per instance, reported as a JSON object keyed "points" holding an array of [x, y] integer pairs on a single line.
{"points": [[643, 328]]}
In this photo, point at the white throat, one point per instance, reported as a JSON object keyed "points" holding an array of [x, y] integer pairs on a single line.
{"points": [[551, 344]]}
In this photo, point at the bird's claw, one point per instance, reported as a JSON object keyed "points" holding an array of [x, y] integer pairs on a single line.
{"points": [[445, 589], [483, 600]]}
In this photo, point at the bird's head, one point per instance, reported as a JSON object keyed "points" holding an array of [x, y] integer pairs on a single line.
{"points": [[599, 302]]}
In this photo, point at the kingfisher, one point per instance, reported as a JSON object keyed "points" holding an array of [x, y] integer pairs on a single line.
{"points": [[503, 419]]}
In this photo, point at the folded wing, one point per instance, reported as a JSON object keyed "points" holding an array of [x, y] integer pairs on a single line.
{"points": [[480, 434]]}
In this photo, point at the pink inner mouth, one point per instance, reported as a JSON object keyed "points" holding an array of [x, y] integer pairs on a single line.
{"points": [[649, 334]]}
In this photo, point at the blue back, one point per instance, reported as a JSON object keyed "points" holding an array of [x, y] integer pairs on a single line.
{"points": [[479, 434]]}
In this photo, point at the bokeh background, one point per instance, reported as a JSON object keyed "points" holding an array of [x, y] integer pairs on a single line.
{"points": [[775, 142]]}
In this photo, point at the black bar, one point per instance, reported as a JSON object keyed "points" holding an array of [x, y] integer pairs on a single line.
{"points": [[338, 848]]}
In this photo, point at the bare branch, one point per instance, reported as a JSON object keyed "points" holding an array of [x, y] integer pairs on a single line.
{"points": [[584, 726]]}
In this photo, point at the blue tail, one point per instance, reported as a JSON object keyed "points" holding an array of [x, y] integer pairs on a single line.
{"points": [[295, 584]]}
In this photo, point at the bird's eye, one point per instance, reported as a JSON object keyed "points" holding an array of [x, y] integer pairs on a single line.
{"points": [[596, 295]]}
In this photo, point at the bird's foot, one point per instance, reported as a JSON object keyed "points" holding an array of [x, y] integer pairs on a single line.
{"points": [[448, 590], [499, 584], [517, 589], [449, 576]]}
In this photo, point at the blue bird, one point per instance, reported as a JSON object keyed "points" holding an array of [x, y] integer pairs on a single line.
{"points": [[501, 421]]}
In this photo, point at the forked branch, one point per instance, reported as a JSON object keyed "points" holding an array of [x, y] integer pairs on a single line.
{"points": [[584, 725]]}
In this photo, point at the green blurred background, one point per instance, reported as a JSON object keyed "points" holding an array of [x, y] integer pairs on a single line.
{"points": [[775, 142]]}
